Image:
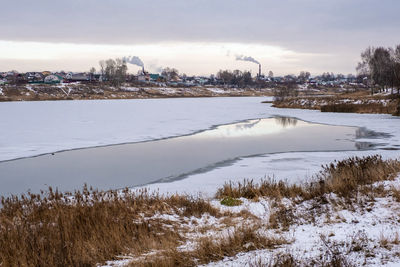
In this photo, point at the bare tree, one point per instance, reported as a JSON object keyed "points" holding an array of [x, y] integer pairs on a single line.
{"points": [[288, 90], [395, 54], [381, 67], [304, 76], [364, 66], [92, 71], [120, 71], [102, 64], [170, 74], [114, 70]]}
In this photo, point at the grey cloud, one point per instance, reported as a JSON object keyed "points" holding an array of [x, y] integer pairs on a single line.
{"points": [[306, 25]]}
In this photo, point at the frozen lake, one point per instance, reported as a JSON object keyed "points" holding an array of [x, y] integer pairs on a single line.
{"points": [[118, 166], [253, 140]]}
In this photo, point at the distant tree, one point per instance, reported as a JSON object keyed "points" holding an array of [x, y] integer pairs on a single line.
{"points": [[364, 67], [226, 76], [114, 70], [246, 78], [381, 66], [120, 72], [396, 68], [236, 77], [340, 76], [288, 90], [304, 76], [92, 71], [170, 73], [102, 64]]}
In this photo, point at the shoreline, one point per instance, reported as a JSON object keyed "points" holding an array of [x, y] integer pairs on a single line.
{"points": [[377, 104], [89, 92]]}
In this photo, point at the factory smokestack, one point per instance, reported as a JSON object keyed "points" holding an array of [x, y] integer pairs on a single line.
{"points": [[259, 71]]}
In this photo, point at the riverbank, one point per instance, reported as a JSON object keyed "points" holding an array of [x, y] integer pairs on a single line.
{"points": [[345, 103], [345, 217], [76, 91]]}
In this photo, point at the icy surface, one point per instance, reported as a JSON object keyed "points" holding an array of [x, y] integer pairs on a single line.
{"points": [[33, 128]]}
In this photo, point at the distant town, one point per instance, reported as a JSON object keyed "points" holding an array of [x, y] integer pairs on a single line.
{"points": [[171, 77], [377, 72]]}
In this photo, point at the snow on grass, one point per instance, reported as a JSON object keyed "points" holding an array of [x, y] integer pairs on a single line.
{"points": [[367, 232]]}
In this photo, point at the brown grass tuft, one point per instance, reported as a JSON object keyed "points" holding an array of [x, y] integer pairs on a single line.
{"points": [[211, 249], [266, 188], [341, 177], [88, 227]]}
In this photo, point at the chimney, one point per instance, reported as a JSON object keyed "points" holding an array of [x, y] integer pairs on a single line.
{"points": [[143, 70], [259, 70]]}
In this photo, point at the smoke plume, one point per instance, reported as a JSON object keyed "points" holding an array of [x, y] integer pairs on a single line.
{"points": [[134, 60], [245, 58]]}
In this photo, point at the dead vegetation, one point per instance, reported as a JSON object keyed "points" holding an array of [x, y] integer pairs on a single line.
{"points": [[84, 228], [90, 227], [340, 177], [333, 254], [209, 249], [344, 103]]}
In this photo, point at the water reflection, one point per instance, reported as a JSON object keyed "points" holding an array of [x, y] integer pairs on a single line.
{"points": [[365, 133], [253, 128], [141, 163], [286, 121]]}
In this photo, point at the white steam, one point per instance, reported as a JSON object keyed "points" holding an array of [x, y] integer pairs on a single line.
{"points": [[246, 58], [134, 60]]}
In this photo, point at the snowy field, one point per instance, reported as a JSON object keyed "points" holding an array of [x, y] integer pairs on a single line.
{"points": [[33, 128]]}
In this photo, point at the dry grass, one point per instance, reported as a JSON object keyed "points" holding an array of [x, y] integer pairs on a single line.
{"points": [[387, 241], [267, 188], [341, 177], [395, 193], [209, 249], [332, 254], [51, 229], [361, 108], [345, 103]]}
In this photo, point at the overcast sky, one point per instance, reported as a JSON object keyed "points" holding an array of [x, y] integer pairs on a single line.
{"points": [[195, 36]]}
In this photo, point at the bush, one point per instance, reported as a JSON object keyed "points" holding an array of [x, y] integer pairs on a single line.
{"points": [[230, 201]]}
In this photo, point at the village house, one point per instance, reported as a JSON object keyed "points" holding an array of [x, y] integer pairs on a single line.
{"points": [[77, 77], [34, 77], [53, 78]]}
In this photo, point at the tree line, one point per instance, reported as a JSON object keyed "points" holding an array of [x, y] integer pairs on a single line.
{"points": [[380, 67], [113, 70], [236, 77]]}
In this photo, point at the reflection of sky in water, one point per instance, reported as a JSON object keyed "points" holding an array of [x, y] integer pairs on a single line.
{"points": [[254, 128], [141, 163]]}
